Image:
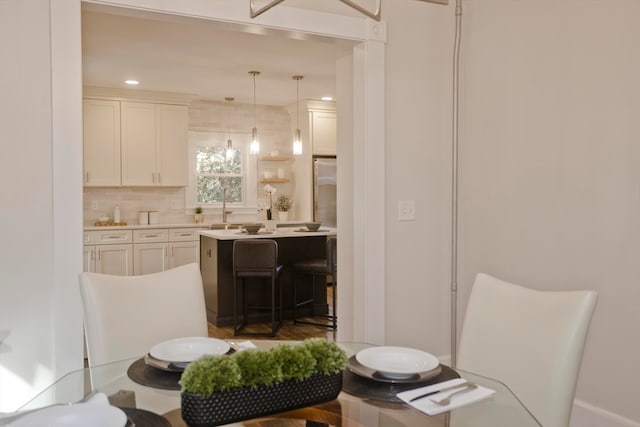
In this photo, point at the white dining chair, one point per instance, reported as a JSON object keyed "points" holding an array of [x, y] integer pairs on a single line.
{"points": [[125, 316], [530, 340]]}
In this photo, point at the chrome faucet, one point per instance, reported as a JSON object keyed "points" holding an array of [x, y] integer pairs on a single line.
{"points": [[224, 204]]}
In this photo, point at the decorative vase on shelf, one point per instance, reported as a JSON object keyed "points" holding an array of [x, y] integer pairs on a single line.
{"points": [[283, 215]]}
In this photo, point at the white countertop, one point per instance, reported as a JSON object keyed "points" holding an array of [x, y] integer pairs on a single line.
{"points": [[278, 233], [144, 227]]}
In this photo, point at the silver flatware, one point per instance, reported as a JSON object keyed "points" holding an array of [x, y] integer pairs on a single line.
{"points": [[431, 393], [446, 400]]}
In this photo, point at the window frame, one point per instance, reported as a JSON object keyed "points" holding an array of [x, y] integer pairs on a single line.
{"points": [[205, 138]]}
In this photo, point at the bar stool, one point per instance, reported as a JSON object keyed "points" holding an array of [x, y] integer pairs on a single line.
{"points": [[256, 258], [317, 267]]}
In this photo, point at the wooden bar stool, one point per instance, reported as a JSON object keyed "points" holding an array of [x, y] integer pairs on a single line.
{"points": [[317, 267], [256, 258]]}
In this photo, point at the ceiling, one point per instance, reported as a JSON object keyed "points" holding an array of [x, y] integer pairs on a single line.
{"points": [[204, 59]]}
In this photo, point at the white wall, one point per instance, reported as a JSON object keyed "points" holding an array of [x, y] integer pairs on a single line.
{"points": [[37, 283], [549, 161], [549, 170]]}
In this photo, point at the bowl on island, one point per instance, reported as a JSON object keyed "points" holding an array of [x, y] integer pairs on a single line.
{"points": [[312, 226], [252, 228]]}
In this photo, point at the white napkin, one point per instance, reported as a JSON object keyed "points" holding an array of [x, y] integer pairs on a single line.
{"points": [[430, 407], [241, 345], [95, 411]]}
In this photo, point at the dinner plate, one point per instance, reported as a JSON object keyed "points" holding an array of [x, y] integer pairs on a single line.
{"points": [[188, 349], [362, 371], [397, 362], [94, 414]]}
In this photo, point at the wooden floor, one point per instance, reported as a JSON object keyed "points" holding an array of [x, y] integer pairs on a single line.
{"points": [[289, 331]]}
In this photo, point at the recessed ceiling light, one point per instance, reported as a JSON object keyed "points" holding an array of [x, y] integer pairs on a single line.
{"points": [[132, 82], [327, 98]]}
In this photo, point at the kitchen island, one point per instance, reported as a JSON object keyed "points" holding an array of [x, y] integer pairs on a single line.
{"points": [[216, 265]]}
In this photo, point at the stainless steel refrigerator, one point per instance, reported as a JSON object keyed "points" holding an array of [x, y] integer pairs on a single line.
{"points": [[324, 190]]}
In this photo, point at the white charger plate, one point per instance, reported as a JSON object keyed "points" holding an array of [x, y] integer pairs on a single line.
{"points": [[95, 413], [397, 362], [188, 349]]}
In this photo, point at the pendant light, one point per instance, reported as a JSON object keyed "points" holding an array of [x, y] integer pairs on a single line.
{"points": [[229, 100], [297, 140], [254, 147]]}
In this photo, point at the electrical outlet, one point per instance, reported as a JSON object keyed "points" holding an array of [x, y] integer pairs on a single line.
{"points": [[175, 204], [94, 205], [407, 210]]}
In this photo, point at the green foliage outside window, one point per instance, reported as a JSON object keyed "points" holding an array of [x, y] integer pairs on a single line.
{"points": [[215, 171]]}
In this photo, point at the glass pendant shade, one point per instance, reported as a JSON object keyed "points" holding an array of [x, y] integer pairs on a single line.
{"points": [[229, 153], [297, 143], [297, 140], [254, 146]]}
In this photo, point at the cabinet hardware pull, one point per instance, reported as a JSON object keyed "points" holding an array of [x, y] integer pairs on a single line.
{"points": [[150, 235], [209, 253], [159, 179], [87, 177], [112, 237], [185, 234], [153, 177]]}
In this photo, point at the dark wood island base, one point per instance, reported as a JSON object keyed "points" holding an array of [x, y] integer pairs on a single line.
{"points": [[216, 266]]}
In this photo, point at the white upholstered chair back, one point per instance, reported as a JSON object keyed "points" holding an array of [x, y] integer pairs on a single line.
{"points": [[125, 316], [530, 340]]}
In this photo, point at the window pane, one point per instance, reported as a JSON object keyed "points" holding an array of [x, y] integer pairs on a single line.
{"points": [[215, 160], [210, 189]]}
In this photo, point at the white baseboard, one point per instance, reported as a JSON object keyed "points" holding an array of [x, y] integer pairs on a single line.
{"points": [[586, 415]]}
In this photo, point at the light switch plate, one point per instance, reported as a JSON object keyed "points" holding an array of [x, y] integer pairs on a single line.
{"points": [[407, 210]]}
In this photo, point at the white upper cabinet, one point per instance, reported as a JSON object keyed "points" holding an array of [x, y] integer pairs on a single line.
{"points": [[172, 122], [101, 141], [154, 144], [323, 132]]}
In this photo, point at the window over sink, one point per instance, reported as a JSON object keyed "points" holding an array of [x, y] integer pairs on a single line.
{"points": [[212, 168]]}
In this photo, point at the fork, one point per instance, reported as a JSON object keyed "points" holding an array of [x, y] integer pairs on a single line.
{"points": [[447, 400]]}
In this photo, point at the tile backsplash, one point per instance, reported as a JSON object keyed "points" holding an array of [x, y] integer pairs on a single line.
{"points": [[169, 202]]}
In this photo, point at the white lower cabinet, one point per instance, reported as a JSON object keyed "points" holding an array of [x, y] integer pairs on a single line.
{"points": [[143, 251], [184, 246], [108, 252], [149, 258], [181, 253]]}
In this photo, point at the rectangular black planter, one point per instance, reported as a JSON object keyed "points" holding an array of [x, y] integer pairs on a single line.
{"points": [[245, 403]]}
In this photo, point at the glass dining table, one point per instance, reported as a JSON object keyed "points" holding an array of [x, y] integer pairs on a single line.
{"points": [[502, 409]]}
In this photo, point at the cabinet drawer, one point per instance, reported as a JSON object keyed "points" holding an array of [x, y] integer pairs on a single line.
{"points": [[108, 237], [183, 234], [151, 236]]}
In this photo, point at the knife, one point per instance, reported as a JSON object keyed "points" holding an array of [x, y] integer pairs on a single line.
{"points": [[463, 384]]}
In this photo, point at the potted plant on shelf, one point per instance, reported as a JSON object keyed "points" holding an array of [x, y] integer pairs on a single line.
{"points": [[252, 383], [197, 217], [283, 204]]}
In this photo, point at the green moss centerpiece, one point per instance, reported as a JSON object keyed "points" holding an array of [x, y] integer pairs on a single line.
{"points": [[253, 383]]}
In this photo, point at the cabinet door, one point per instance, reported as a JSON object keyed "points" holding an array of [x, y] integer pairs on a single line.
{"points": [[149, 258], [89, 259], [171, 145], [138, 144], [101, 142], [323, 133], [114, 259], [181, 253]]}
